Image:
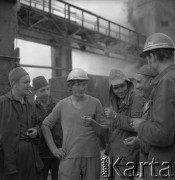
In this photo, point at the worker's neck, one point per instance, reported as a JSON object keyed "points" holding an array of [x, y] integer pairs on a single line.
{"points": [[43, 103], [163, 65], [18, 96], [78, 98]]}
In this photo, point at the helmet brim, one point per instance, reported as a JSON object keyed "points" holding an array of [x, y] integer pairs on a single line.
{"points": [[143, 55], [81, 79]]}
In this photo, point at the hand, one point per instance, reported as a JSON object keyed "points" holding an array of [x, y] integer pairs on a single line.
{"points": [[135, 123], [59, 152], [132, 142], [110, 113], [86, 121], [32, 133]]}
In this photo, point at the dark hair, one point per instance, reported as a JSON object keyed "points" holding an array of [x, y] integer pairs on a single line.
{"points": [[72, 82], [162, 54]]}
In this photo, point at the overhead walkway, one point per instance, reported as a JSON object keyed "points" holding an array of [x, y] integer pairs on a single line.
{"points": [[52, 21]]}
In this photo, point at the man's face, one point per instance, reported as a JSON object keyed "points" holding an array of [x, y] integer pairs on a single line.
{"points": [[143, 85], [23, 86], [79, 88], [120, 90], [43, 93]]}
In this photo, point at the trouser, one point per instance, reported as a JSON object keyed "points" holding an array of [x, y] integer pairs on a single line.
{"points": [[1, 165], [50, 164], [26, 164], [74, 168]]}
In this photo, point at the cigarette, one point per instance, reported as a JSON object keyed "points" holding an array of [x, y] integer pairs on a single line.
{"points": [[29, 91]]}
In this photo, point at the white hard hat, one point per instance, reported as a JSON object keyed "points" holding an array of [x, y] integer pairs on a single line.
{"points": [[158, 41], [78, 74]]}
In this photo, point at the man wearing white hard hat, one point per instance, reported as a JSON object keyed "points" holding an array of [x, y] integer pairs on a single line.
{"points": [[82, 120], [159, 130]]}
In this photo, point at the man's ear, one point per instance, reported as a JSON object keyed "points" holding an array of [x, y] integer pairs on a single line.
{"points": [[13, 84], [151, 59], [150, 80], [154, 58]]}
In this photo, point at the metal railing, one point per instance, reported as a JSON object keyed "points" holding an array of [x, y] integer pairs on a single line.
{"points": [[87, 20]]}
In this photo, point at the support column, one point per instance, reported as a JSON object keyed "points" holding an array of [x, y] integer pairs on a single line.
{"points": [[61, 57], [8, 24]]}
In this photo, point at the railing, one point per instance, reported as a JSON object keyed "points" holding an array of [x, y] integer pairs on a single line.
{"points": [[87, 20]]}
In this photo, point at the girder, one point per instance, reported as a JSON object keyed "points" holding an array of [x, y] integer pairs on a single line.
{"points": [[67, 29]]}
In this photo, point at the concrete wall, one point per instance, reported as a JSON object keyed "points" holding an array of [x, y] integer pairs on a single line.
{"points": [[150, 16], [8, 26], [165, 17], [61, 56]]}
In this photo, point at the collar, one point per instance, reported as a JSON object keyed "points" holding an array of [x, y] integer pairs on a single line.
{"points": [[12, 98], [38, 104], [126, 100], [165, 71]]}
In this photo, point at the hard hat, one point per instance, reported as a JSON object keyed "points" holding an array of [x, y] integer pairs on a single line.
{"points": [[157, 41], [77, 73]]}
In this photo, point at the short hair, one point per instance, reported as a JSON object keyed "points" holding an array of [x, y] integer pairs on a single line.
{"points": [[162, 54], [72, 82]]}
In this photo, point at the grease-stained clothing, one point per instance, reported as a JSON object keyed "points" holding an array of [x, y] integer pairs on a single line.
{"points": [[78, 141], [130, 107], [15, 146], [159, 130]]}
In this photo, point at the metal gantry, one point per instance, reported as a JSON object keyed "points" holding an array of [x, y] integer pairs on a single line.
{"points": [[61, 21]]}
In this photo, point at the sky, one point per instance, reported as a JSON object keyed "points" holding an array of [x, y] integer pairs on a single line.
{"points": [[113, 10], [37, 54]]}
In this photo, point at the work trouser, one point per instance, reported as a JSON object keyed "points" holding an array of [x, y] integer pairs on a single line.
{"points": [[50, 164], [26, 164], [74, 168], [1, 165]]}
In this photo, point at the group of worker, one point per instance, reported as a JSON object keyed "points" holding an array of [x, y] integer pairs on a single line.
{"points": [[50, 134]]}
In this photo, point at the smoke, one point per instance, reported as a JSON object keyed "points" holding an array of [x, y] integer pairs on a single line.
{"points": [[132, 14], [118, 11], [101, 65], [113, 10]]}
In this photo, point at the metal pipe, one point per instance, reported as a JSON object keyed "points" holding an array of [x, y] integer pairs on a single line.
{"points": [[50, 6], [45, 67]]}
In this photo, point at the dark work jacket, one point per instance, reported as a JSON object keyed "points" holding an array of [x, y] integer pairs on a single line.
{"points": [[56, 131], [159, 130], [131, 107], [10, 133]]}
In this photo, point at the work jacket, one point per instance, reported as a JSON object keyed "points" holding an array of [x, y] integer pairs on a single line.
{"points": [[130, 107], [159, 129], [10, 133], [56, 131]]}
